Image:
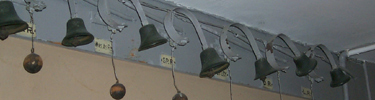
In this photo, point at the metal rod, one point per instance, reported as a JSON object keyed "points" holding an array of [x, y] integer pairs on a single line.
{"points": [[141, 13], [367, 80], [360, 50]]}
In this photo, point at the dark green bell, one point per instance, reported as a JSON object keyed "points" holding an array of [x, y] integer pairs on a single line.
{"points": [[32, 63], [76, 34], [117, 91], [180, 96], [211, 63], [339, 78], [304, 65], [263, 68], [150, 37], [10, 23]]}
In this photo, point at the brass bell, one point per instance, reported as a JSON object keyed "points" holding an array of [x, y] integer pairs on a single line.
{"points": [[339, 78], [150, 37], [10, 23], [304, 65], [76, 34], [211, 63], [33, 63], [263, 68], [117, 91], [180, 96]]}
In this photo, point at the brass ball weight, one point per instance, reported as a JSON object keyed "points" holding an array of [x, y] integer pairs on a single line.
{"points": [[117, 91], [33, 63], [180, 96]]}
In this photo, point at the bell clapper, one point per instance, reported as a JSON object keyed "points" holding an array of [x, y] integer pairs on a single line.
{"points": [[179, 95], [117, 90], [33, 62]]}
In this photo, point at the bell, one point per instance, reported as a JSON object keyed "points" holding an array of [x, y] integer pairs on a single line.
{"points": [[211, 63], [339, 78], [76, 34], [150, 37], [33, 63], [263, 68], [117, 91], [304, 65], [10, 23], [180, 96]]}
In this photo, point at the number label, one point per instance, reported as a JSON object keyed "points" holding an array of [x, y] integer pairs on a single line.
{"points": [[166, 61], [267, 83], [306, 92], [103, 46], [224, 75], [27, 33]]}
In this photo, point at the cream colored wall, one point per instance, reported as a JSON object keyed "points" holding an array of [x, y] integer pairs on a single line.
{"points": [[74, 75]]}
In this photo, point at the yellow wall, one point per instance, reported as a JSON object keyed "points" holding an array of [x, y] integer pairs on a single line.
{"points": [[74, 75]]}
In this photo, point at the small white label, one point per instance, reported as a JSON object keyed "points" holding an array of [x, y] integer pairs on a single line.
{"points": [[224, 75], [167, 61], [103, 46], [268, 83], [26, 33], [306, 92]]}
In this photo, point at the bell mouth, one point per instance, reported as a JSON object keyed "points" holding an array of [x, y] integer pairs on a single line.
{"points": [[338, 77], [210, 72], [14, 28], [77, 40], [152, 44]]}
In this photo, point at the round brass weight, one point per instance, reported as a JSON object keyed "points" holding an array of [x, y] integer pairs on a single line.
{"points": [[117, 91], [33, 63], [180, 96]]}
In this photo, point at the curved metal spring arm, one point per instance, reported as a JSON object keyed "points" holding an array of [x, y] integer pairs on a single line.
{"points": [[172, 33], [329, 56], [141, 13], [269, 51], [325, 51], [249, 37], [105, 14]]}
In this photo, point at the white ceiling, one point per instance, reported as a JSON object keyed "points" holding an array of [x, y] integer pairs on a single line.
{"points": [[338, 24]]}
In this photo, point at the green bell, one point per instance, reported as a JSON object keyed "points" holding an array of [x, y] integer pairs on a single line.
{"points": [[117, 91], [263, 68], [10, 23], [32, 63], [304, 65], [180, 96], [150, 37], [211, 63], [339, 78], [76, 34]]}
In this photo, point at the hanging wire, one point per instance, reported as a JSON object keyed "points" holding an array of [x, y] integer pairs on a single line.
{"points": [[70, 9], [311, 87], [279, 83], [171, 60], [230, 86], [31, 29], [113, 63]]}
